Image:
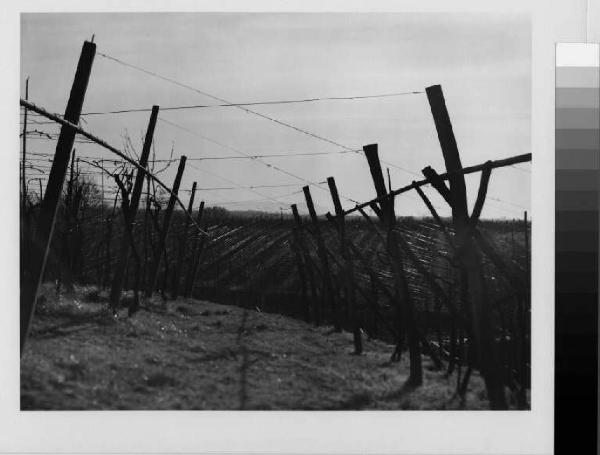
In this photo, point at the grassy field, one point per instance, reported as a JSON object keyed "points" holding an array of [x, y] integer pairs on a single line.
{"points": [[190, 354]]}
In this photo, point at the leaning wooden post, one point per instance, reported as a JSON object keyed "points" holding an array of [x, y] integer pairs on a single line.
{"points": [[182, 243], [483, 330], [45, 226], [405, 310], [348, 275], [195, 260], [165, 229], [124, 252], [322, 252]]}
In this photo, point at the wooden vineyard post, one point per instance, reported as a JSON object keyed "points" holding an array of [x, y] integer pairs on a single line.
{"points": [[305, 256], [165, 230], [124, 252], [348, 274], [297, 250], [322, 252], [45, 227], [182, 244], [482, 328], [404, 308], [128, 218], [197, 251]]}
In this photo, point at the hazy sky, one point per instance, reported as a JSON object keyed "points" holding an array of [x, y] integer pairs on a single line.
{"points": [[483, 63]]}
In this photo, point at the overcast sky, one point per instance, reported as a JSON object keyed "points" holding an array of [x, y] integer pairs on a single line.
{"points": [[483, 63]]}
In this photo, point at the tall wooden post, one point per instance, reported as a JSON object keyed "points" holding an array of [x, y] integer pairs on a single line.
{"points": [[197, 251], [322, 252], [45, 228], [165, 229], [124, 252], [405, 309], [483, 330], [348, 275], [182, 244]]}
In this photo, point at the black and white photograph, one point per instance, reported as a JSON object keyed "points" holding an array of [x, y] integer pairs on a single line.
{"points": [[293, 211]]}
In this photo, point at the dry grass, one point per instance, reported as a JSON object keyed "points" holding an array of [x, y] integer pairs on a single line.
{"points": [[200, 355]]}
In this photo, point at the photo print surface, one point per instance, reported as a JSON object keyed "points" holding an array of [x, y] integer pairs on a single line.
{"points": [[269, 211]]}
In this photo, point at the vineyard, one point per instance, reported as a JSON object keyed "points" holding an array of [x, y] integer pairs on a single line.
{"points": [[109, 247]]}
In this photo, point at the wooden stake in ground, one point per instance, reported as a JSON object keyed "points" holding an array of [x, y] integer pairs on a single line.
{"points": [[322, 252], [405, 309], [182, 243], [117, 283], [348, 274], [485, 345], [165, 230], [47, 216], [125, 208]]}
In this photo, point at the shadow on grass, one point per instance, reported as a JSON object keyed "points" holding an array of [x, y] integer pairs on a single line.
{"points": [[407, 388], [76, 324], [357, 401]]}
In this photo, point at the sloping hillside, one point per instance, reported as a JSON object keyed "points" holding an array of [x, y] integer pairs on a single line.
{"points": [[194, 354]]}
